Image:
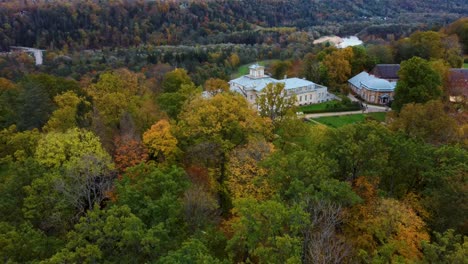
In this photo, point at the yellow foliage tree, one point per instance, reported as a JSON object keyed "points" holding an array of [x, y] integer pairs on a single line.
{"points": [[246, 178], [64, 117], [161, 144]]}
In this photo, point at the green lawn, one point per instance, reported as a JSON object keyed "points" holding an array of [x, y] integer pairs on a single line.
{"points": [[244, 69], [465, 65], [338, 121], [314, 107]]}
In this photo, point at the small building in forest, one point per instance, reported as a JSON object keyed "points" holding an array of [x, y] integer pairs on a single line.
{"points": [[387, 72], [457, 86], [372, 89], [378, 86], [251, 87]]}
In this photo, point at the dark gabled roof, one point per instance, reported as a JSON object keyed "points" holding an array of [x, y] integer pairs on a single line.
{"points": [[458, 74], [386, 71], [458, 82]]}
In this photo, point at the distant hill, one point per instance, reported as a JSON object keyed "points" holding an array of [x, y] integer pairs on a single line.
{"points": [[94, 24]]}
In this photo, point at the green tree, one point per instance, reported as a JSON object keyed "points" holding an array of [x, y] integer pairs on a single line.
{"points": [[311, 68], [155, 196], [9, 92], [359, 149], [280, 68], [266, 232], [174, 80], [427, 44], [380, 53], [418, 83], [173, 102], [23, 243], [34, 105], [192, 251], [445, 196], [446, 248], [361, 60], [111, 235]]}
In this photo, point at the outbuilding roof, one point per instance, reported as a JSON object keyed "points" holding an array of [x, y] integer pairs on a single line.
{"points": [[292, 83], [377, 84], [370, 82], [458, 82], [386, 71], [253, 83], [356, 80]]}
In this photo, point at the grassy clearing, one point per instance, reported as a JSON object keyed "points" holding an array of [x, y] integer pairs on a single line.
{"points": [[465, 65], [244, 69], [339, 121]]}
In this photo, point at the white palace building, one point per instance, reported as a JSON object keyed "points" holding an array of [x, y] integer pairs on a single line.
{"points": [[252, 85]]}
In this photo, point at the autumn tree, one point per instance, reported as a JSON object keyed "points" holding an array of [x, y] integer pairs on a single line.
{"points": [[384, 229], [338, 66], [215, 85], [246, 177], [162, 145], [418, 83], [128, 152], [275, 102], [460, 28], [113, 93], [427, 44], [80, 173], [118, 95], [65, 117], [200, 207], [221, 123], [426, 121]]}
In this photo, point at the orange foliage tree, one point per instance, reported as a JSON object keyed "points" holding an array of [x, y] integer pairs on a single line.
{"points": [[384, 229], [128, 153]]}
